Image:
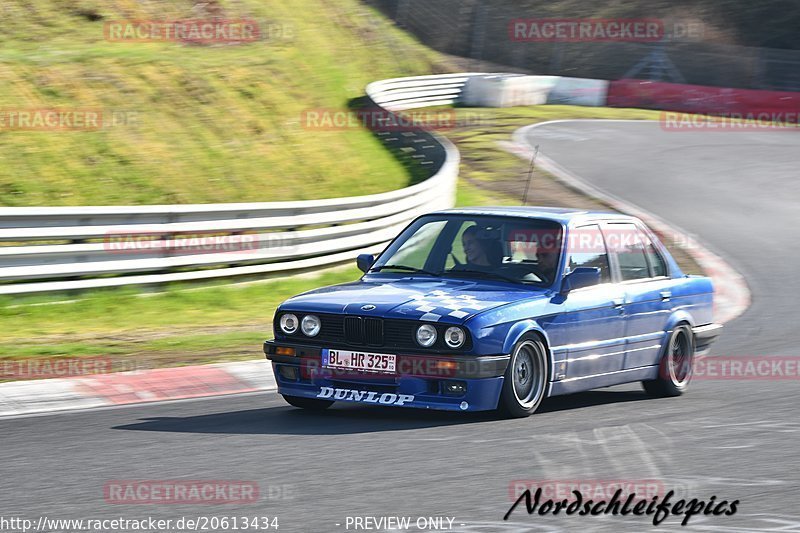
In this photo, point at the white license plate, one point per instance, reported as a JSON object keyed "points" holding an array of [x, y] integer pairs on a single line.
{"points": [[372, 362]]}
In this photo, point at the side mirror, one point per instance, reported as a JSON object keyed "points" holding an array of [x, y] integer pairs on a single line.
{"points": [[364, 262], [579, 278]]}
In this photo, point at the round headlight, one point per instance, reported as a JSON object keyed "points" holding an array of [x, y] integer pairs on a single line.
{"points": [[454, 337], [426, 335], [289, 323], [310, 325]]}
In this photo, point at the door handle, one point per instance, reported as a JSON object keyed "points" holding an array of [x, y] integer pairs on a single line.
{"points": [[665, 296], [618, 303]]}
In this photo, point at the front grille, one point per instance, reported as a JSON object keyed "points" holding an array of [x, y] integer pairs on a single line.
{"points": [[353, 330], [400, 333], [373, 331], [363, 330], [391, 334], [332, 327]]}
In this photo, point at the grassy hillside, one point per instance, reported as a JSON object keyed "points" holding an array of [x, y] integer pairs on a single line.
{"points": [[206, 123]]}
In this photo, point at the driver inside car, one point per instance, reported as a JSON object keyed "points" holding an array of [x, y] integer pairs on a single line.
{"points": [[547, 262]]}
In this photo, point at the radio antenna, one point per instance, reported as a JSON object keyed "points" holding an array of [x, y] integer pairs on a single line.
{"points": [[530, 175]]}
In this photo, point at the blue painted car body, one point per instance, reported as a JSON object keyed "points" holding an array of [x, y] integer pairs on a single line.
{"points": [[595, 336]]}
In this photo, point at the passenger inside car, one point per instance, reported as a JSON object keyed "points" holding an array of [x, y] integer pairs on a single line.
{"points": [[480, 249]]}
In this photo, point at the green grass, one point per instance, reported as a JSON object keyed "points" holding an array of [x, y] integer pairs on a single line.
{"points": [[209, 123], [469, 195], [123, 311]]}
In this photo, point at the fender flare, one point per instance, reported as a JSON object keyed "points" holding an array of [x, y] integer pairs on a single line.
{"points": [[679, 316], [675, 318], [522, 328]]}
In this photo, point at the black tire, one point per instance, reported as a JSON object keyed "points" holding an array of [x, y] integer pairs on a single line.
{"points": [[307, 403], [676, 365], [525, 383]]}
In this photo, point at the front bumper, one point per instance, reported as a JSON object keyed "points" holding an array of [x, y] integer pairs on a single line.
{"points": [[413, 386], [704, 336]]}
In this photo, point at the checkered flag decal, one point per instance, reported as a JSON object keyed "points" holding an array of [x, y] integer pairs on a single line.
{"points": [[440, 303]]}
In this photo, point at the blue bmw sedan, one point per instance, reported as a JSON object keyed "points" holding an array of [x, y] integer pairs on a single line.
{"points": [[497, 308]]}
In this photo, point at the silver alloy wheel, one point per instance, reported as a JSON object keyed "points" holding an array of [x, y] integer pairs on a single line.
{"points": [[528, 374], [679, 360]]}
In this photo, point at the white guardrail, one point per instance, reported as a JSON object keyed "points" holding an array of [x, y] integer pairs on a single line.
{"points": [[67, 248]]}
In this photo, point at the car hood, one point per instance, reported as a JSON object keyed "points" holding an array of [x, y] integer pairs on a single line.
{"points": [[439, 300]]}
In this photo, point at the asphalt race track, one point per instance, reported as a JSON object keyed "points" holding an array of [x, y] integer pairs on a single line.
{"points": [[731, 439]]}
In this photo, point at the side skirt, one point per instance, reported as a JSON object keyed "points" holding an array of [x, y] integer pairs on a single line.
{"points": [[568, 386]]}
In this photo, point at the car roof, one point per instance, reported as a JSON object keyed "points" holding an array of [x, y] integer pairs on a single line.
{"points": [[563, 215]]}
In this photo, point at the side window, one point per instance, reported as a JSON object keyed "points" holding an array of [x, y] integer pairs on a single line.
{"points": [[626, 241], [657, 263], [588, 249]]}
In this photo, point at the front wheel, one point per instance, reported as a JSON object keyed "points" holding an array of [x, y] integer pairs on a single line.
{"points": [[307, 403], [675, 368], [525, 380]]}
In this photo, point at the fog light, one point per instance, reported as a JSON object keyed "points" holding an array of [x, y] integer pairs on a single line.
{"points": [[454, 388], [284, 350], [288, 372], [464, 406]]}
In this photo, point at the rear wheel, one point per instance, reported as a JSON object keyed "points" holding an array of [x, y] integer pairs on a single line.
{"points": [[525, 380], [675, 369], [307, 403]]}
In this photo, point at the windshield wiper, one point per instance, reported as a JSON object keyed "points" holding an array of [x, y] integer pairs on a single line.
{"points": [[406, 268], [487, 274]]}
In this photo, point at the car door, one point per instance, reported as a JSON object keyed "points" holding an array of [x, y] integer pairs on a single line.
{"points": [[644, 277], [593, 321]]}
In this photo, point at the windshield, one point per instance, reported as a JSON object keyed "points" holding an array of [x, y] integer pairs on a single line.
{"points": [[517, 250]]}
